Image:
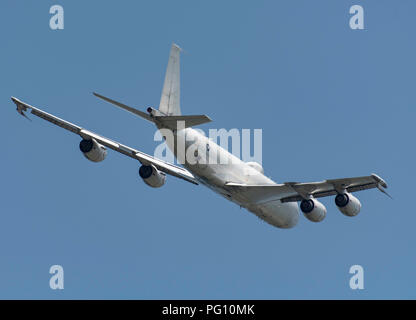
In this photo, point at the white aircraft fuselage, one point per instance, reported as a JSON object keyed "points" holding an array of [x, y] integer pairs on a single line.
{"points": [[216, 174], [207, 163]]}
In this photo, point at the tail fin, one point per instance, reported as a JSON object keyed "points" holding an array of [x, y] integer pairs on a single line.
{"points": [[170, 100], [169, 113]]}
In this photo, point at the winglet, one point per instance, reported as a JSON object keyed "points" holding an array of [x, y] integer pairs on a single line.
{"points": [[379, 187], [176, 46], [20, 107], [379, 180], [381, 184]]}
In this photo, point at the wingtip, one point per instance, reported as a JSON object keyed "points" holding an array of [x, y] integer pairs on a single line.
{"points": [[100, 96], [379, 187], [176, 46], [379, 180]]}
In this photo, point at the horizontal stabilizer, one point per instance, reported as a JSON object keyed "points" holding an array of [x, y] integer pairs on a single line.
{"points": [[170, 122], [173, 122], [127, 108]]}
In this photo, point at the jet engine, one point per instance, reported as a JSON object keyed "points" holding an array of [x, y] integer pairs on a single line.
{"points": [[151, 176], [313, 210], [92, 150], [348, 204]]}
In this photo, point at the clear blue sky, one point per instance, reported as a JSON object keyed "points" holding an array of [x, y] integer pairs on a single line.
{"points": [[332, 102]]}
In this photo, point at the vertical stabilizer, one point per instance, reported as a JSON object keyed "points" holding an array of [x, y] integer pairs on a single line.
{"points": [[169, 102]]}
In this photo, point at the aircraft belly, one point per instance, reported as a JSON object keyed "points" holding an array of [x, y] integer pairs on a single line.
{"points": [[215, 176], [281, 215]]}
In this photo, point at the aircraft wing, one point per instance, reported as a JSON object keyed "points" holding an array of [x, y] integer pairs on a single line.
{"points": [[294, 191], [116, 146]]}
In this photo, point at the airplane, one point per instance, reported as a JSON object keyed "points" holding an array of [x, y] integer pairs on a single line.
{"points": [[243, 183]]}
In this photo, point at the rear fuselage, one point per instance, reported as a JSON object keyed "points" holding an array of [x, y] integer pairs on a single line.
{"points": [[214, 166]]}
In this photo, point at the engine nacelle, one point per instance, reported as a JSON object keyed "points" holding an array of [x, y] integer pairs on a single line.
{"points": [[256, 166], [151, 176], [92, 150], [348, 204], [313, 210]]}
